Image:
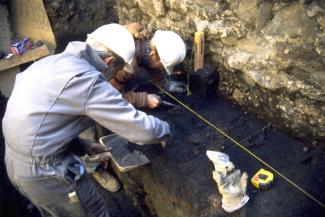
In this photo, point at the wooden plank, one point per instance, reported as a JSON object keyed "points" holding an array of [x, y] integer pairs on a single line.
{"points": [[199, 51], [29, 19], [28, 56]]}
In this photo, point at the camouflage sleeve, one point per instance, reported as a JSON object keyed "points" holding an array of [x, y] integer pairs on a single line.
{"points": [[159, 77], [121, 79], [137, 99]]}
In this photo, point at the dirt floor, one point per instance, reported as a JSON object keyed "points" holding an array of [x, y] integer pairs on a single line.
{"points": [[179, 177], [178, 181]]}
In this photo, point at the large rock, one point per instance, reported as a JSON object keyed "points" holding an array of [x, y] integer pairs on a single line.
{"points": [[270, 53]]}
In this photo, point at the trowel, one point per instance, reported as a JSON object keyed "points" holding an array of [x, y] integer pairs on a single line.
{"points": [[122, 153], [166, 104]]}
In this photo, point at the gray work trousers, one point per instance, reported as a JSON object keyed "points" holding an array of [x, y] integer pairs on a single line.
{"points": [[53, 195]]}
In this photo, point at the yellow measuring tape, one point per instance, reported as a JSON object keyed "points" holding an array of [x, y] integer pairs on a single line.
{"points": [[242, 147]]}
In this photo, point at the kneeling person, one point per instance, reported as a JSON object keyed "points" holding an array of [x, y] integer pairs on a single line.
{"points": [[53, 101]]}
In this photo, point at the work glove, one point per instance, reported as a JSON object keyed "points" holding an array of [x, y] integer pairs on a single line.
{"points": [[98, 152], [221, 162], [232, 187], [175, 87]]}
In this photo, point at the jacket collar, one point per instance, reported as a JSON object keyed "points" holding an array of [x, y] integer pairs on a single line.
{"points": [[84, 51]]}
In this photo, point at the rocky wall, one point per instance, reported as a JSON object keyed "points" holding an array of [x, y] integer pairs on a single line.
{"points": [[74, 19], [270, 54]]}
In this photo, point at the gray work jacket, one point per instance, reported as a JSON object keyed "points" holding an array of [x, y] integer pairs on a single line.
{"points": [[58, 97]]}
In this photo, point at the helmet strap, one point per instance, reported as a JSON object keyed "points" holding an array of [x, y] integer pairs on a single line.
{"points": [[145, 54]]}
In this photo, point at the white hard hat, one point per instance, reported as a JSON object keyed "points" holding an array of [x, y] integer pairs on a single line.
{"points": [[170, 47], [117, 38]]}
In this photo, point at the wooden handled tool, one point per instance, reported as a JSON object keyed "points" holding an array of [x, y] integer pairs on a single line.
{"points": [[198, 51]]}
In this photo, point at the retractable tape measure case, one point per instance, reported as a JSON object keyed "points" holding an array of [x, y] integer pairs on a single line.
{"points": [[263, 179]]}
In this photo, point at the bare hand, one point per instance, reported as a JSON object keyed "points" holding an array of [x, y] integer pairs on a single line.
{"points": [[96, 148], [153, 101]]}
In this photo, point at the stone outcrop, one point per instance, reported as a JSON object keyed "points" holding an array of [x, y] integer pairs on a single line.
{"points": [[270, 54]]}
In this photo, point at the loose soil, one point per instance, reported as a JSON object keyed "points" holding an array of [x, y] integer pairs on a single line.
{"points": [[178, 182]]}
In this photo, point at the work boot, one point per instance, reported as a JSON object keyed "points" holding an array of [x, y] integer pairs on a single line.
{"points": [[107, 181]]}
